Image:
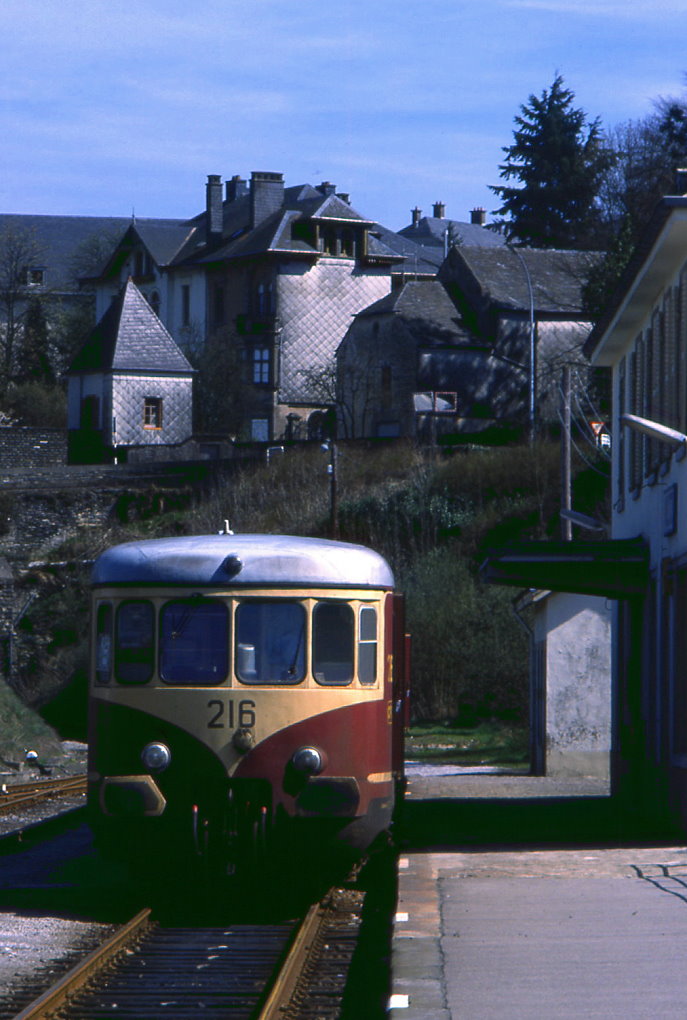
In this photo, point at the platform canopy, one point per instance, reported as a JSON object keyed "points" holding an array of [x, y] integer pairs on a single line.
{"points": [[616, 568]]}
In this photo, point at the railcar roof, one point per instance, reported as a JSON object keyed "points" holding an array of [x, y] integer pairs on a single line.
{"points": [[239, 560]]}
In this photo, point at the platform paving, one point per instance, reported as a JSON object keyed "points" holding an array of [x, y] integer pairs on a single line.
{"points": [[534, 924]]}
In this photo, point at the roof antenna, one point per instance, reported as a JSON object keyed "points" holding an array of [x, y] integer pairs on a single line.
{"points": [[226, 530]]}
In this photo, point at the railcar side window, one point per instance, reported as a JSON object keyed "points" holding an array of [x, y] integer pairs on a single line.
{"points": [[333, 643], [103, 644], [367, 645], [270, 641], [194, 642], [134, 642]]}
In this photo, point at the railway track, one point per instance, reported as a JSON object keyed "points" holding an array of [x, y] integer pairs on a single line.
{"points": [[288, 970], [20, 795]]}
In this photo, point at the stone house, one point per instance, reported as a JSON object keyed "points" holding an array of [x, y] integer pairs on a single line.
{"points": [[129, 386], [454, 354]]}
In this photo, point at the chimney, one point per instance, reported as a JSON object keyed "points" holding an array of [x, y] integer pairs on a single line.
{"points": [[478, 216], [213, 208], [266, 195], [344, 196], [327, 189], [417, 216], [439, 210], [236, 188]]}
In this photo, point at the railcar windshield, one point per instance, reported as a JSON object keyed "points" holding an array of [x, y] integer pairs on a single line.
{"points": [[270, 641], [134, 642], [333, 642], [194, 642]]}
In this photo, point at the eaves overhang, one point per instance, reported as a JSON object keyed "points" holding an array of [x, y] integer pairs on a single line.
{"points": [[659, 256], [614, 568]]}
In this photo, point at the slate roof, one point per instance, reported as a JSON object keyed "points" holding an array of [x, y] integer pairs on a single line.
{"points": [[275, 233], [430, 232], [556, 277], [426, 309], [58, 239], [130, 338], [417, 259]]}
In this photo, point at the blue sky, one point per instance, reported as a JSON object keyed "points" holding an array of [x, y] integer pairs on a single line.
{"points": [[108, 107]]}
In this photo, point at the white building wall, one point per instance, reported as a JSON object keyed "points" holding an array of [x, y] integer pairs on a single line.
{"points": [[576, 630], [79, 388]]}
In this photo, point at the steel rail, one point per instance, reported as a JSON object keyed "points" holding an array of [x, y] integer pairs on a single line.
{"points": [[284, 984], [24, 794], [51, 1000]]}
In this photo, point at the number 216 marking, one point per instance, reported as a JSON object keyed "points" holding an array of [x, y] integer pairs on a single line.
{"points": [[228, 713]]}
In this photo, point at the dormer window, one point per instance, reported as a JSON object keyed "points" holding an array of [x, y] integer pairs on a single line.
{"points": [[329, 242], [347, 245]]}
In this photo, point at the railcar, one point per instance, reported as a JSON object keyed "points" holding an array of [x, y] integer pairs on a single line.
{"points": [[247, 693]]}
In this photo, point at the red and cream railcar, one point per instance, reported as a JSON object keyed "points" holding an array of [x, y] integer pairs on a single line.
{"points": [[246, 690]]}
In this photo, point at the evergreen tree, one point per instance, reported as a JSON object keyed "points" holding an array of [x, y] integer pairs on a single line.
{"points": [[34, 360], [559, 160]]}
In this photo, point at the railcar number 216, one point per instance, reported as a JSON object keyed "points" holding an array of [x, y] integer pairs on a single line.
{"points": [[231, 714]]}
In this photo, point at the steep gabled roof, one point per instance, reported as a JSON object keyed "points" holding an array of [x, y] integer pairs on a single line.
{"points": [[130, 338], [504, 276]]}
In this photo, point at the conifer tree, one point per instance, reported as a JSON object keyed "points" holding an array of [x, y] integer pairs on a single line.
{"points": [[559, 159]]}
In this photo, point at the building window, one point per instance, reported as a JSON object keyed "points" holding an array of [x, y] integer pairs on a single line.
{"points": [[260, 430], [34, 276], [218, 305], [152, 413], [185, 304], [154, 302], [260, 303], [330, 242], [347, 249], [261, 365]]}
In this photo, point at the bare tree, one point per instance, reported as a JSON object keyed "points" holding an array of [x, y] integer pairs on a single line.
{"points": [[348, 387], [20, 258]]}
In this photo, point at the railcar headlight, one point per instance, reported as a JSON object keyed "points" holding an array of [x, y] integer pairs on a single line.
{"points": [[243, 739], [156, 757], [308, 760]]}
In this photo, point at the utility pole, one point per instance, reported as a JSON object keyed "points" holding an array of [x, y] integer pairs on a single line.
{"points": [[566, 455], [330, 447]]}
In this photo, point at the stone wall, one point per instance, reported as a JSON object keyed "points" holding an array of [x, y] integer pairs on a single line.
{"points": [[32, 447]]}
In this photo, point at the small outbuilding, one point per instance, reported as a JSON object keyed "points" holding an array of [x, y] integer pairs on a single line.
{"points": [[130, 385], [570, 683]]}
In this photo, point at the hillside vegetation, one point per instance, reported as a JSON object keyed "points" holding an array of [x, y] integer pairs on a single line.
{"points": [[433, 516]]}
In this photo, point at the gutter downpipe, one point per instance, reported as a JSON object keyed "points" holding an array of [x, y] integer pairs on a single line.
{"points": [[533, 348]]}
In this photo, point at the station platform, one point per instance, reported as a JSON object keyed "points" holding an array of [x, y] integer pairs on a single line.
{"points": [[521, 897]]}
